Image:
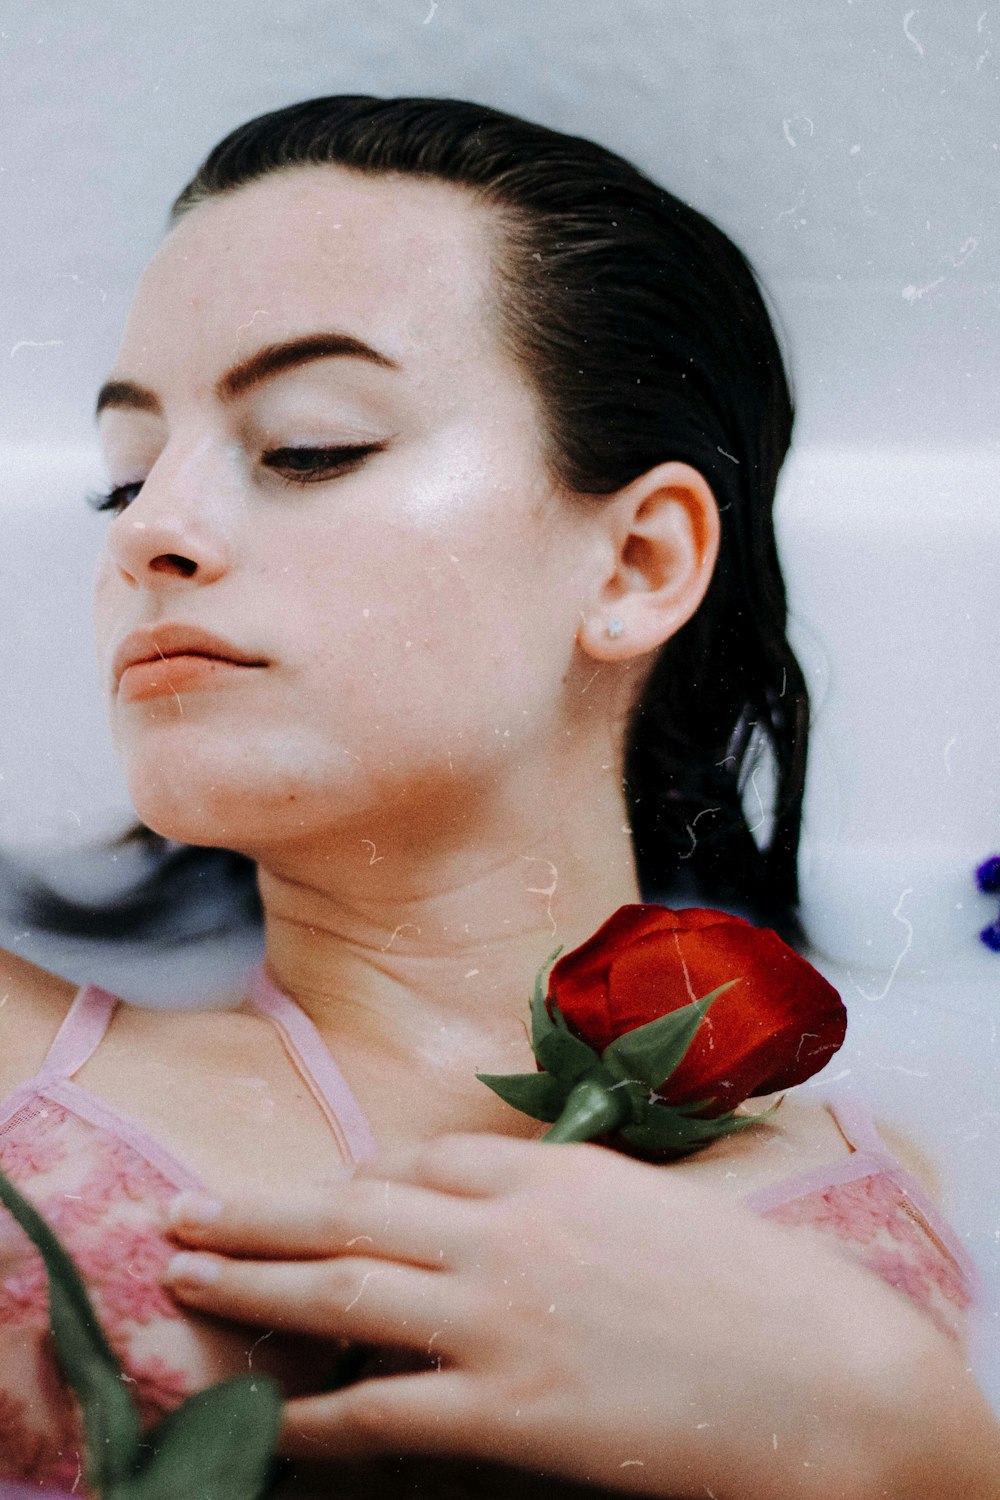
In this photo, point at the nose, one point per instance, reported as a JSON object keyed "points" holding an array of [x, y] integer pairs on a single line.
{"points": [[171, 533]]}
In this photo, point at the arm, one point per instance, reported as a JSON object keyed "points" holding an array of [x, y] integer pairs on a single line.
{"points": [[604, 1320]]}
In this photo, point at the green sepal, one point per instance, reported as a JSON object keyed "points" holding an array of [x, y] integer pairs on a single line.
{"points": [[565, 1055], [652, 1052], [541, 1021], [636, 1092], [663, 1130], [88, 1363], [677, 1128], [539, 1095], [218, 1445]]}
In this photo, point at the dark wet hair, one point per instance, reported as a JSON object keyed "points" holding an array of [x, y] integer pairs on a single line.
{"points": [[645, 335]]}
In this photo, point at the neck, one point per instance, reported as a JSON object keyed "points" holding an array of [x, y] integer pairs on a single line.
{"points": [[426, 949]]}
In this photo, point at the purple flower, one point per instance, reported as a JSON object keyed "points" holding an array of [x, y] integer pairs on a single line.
{"points": [[991, 936], [988, 876]]}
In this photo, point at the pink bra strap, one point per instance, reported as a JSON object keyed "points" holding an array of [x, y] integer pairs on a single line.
{"points": [[311, 1059], [871, 1156], [80, 1033], [857, 1125]]}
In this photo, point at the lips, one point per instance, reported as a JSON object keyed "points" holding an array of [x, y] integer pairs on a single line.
{"points": [[159, 643]]}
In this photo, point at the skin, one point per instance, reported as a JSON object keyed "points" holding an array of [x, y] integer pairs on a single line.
{"points": [[432, 753], [423, 768], [609, 1321]]}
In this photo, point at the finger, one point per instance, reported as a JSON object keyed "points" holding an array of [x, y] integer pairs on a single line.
{"points": [[425, 1413], [370, 1301], [474, 1166], [370, 1217]]}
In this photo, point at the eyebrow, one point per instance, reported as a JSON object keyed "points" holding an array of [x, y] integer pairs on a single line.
{"points": [[273, 359]]}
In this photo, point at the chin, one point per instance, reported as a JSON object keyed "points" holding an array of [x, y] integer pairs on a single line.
{"points": [[226, 802], [186, 799], [186, 821]]}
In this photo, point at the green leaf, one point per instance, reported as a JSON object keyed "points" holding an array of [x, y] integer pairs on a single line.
{"points": [[536, 1094], [541, 1022], [111, 1422], [218, 1446], [652, 1052]]}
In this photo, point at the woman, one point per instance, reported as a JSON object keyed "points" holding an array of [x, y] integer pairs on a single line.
{"points": [[442, 452]]}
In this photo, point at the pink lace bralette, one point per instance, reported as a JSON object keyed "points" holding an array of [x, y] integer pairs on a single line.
{"points": [[881, 1215], [104, 1185]]}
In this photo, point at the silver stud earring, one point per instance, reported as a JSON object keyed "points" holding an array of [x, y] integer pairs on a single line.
{"points": [[615, 627]]}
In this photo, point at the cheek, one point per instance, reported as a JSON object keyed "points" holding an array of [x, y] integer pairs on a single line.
{"points": [[386, 630], [432, 646]]}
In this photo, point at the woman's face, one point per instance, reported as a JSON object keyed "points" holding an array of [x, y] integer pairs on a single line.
{"points": [[325, 459]]}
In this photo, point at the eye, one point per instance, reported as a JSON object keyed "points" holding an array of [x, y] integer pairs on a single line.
{"points": [[115, 500], [312, 465], [294, 465]]}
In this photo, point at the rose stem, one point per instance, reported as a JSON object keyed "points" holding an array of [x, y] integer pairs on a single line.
{"points": [[591, 1109]]}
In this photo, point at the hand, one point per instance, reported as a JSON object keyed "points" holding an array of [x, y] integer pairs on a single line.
{"points": [[596, 1317]]}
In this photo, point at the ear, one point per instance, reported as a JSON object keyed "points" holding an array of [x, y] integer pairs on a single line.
{"points": [[664, 534]]}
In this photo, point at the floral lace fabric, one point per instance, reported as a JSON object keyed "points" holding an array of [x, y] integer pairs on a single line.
{"points": [[875, 1220], [107, 1204]]}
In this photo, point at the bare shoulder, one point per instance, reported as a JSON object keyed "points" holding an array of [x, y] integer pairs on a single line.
{"points": [[913, 1158], [810, 1132], [794, 1135], [33, 1003]]}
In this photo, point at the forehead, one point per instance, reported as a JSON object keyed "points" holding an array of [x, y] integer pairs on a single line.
{"points": [[401, 262]]}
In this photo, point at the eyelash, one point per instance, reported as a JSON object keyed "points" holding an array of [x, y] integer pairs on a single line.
{"points": [[318, 464], [112, 499], [323, 463]]}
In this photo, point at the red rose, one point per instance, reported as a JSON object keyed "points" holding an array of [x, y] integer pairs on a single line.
{"points": [[776, 1027], [658, 1026]]}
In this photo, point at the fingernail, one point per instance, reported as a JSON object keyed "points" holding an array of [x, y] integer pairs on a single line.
{"points": [[194, 1269], [194, 1209]]}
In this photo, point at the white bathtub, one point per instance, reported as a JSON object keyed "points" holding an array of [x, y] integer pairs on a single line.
{"points": [[893, 564]]}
